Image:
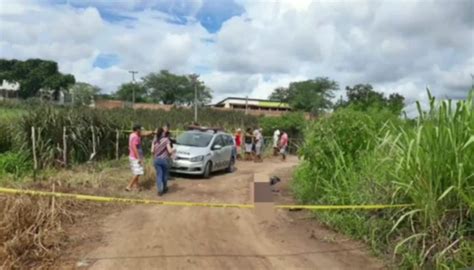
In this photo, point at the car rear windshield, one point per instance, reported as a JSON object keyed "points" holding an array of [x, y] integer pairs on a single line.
{"points": [[196, 139]]}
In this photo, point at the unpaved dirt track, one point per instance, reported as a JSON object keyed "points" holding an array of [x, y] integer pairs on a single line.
{"points": [[168, 237]]}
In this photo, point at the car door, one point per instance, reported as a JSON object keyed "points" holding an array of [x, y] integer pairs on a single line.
{"points": [[229, 149], [218, 153]]}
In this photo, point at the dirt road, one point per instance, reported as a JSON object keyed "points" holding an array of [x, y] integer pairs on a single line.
{"points": [[158, 237]]}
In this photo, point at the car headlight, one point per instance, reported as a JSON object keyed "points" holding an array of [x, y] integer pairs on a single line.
{"points": [[198, 158]]}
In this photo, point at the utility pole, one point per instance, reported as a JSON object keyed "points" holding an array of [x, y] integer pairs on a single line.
{"points": [[195, 101], [133, 72], [246, 104]]}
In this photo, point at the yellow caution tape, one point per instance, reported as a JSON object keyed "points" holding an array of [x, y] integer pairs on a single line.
{"points": [[201, 204], [343, 207], [119, 200]]}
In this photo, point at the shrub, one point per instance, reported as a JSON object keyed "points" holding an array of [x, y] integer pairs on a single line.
{"points": [[292, 123], [360, 158], [16, 164]]}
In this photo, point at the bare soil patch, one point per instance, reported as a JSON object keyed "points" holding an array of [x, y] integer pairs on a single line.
{"points": [[165, 237]]}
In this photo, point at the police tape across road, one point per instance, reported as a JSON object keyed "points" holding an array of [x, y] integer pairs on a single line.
{"points": [[187, 204]]}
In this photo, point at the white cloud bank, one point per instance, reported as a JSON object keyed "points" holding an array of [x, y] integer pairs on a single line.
{"points": [[398, 46]]}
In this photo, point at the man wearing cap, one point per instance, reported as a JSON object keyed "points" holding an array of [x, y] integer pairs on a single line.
{"points": [[135, 156]]}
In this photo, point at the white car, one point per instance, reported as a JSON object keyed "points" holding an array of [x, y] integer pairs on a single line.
{"points": [[201, 152]]}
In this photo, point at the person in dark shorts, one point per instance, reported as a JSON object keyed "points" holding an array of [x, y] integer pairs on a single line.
{"points": [[248, 139]]}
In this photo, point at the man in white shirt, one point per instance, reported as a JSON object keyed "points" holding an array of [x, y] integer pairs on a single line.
{"points": [[258, 145], [276, 141]]}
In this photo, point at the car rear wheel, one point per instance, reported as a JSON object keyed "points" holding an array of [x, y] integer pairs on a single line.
{"points": [[207, 170]]}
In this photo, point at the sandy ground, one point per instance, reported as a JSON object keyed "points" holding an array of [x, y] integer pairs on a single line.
{"points": [[169, 237]]}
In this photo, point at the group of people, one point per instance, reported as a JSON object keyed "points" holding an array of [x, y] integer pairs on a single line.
{"points": [[162, 149], [253, 143]]}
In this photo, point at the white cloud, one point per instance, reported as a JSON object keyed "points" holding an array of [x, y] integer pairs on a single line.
{"points": [[396, 46]]}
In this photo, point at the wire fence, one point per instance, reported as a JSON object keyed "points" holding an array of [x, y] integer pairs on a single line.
{"points": [[94, 144]]}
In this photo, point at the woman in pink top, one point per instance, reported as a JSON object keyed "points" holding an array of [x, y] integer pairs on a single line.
{"points": [[161, 152]]}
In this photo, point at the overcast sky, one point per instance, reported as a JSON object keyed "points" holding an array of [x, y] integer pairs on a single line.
{"points": [[249, 47]]}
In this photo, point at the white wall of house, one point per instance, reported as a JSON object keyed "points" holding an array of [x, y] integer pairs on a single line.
{"points": [[10, 86]]}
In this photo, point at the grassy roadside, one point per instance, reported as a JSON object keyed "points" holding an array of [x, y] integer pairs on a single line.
{"points": [[35, 231], [357, 157]]}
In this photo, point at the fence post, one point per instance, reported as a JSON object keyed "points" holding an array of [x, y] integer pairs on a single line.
{"points": [[53, 203], [93, 144], [35, 160], [117, 144], [64, 147]]}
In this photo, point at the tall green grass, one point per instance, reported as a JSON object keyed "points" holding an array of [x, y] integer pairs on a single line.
{"points": [[362, 158], [86, 125]]}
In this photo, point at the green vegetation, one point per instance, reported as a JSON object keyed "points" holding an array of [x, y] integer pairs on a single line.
{"points": [[293, 123], [34, 74], [169, 88], [91, 134], [82, 94], [363, 97], [365, 157], [7, 114], [312, 96], [14, 164]]}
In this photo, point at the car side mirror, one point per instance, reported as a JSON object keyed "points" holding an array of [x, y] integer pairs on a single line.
{"points": [[217, 147]]}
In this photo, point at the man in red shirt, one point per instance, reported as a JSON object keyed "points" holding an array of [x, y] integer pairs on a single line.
{"points": [[238, 142], [284, 145]]}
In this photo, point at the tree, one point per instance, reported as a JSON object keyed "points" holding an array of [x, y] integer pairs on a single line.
{"points": [[125, 92], [204, 95], [279, 94], [313, 96], [82, 94], [396, 103], [170, 88], [363, 96], [34, 74]]}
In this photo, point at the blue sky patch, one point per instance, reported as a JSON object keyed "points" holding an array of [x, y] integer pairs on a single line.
{"points": [[112, 16], [201, 69], [177, 19], [211, 14], [214, 13], [106, 60], [208, 40]]}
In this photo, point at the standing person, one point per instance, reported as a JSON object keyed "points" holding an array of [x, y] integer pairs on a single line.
{"points": [[284, 145], [135, 156], [167, 133], [166, 129], [238, 142], [258, 139], [248, 143], [161, 153], [254, 143], [276, 139]]}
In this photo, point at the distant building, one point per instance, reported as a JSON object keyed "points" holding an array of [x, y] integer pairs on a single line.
{"points": [[9, 90], [252, 104]]}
